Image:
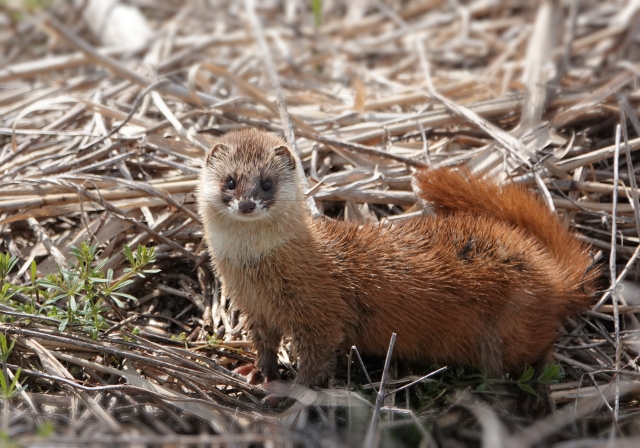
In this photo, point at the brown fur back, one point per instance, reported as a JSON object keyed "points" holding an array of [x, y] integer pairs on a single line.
{"points": [[458, 290]]}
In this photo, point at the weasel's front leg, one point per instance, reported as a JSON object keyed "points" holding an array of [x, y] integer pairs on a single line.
{"points": [[266, 340]]}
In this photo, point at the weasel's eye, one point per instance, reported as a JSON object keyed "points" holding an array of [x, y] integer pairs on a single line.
{"points": [[266, 185], [231, 184]]}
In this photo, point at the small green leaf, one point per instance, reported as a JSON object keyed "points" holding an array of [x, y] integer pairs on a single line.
{"points": [[128, 254], [551, 374], [181, 337], [15, 379], [99, 280], [54, 299], [527, 388], [45, 430], [75, 251], [123, 284], [117, 301], [126, 296], [33, 271], [316, 6], [72, 304], [527, 375]]}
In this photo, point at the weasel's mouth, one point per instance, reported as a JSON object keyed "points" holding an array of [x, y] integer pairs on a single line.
{"points": [[247, 218], [247, 210]]}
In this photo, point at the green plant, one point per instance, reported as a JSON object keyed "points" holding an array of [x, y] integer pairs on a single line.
{"points": [[45, 429], [7, 291], [65, 284], [439, 390], [7, 263], [5, 442], [80, 295], [182, 337], [212, 340], [5, 350], [88, 290], [524, 382], [30, 308], [20, 9], [316, 7], [550, 375], [8, 389]]}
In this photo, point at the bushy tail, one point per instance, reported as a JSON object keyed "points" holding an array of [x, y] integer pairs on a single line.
{"points": [[449, 191]]}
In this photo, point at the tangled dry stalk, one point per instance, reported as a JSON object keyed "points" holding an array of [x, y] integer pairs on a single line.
{"points": [[103, 143]]}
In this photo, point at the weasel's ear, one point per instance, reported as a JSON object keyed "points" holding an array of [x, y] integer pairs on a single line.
{"points": [[284, 151], [215, 152]]}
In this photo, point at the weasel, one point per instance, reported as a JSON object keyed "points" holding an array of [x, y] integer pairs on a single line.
{"points": [[486, 282]]}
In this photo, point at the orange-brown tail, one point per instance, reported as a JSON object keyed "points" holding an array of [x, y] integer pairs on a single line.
{"points": [[449, 191]]}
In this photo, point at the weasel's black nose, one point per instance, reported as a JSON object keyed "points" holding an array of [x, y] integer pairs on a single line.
{"points": [[246, 207]]}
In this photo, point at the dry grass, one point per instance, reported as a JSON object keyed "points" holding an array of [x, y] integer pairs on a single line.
{"points": [[105, 144]]}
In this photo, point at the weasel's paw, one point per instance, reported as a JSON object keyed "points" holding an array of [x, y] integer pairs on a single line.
{"points": [[255, 376], [251, 373]]}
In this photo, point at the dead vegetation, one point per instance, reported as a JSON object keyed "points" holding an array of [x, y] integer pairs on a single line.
{"points": [[102, 139]]}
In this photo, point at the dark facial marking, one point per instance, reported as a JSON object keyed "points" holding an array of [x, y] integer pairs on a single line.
{"points": [[226, 198], [266, 195], [227, 188]]}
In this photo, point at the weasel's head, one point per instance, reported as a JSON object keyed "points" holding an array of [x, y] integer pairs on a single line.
{"points": [[249, 175]]}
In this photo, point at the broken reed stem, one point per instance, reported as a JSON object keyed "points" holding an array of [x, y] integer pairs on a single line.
{"points": [[406, 386], [364, 369], [612, 269], [375, 419], [623, 274], [627, 111]]}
